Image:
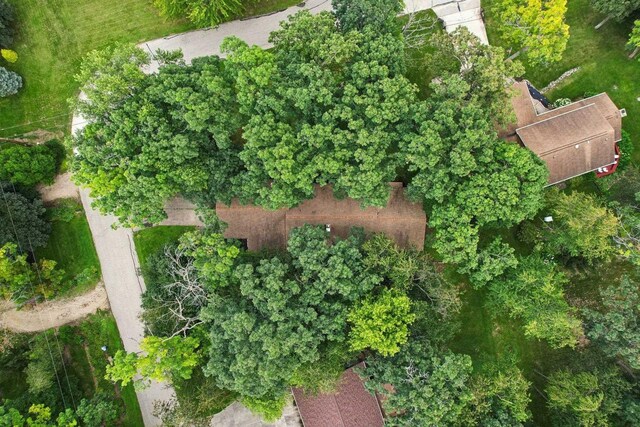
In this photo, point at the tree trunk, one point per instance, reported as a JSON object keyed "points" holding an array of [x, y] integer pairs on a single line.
{"points": [[604, 21], [635, 52], [515, 55]]}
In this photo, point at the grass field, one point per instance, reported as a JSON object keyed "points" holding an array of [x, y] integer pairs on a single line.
{"points": [[602, 57], [71, 246], [54, 36], [151, 240]]}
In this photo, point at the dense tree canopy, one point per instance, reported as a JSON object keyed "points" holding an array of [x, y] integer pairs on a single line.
{"points": [[536, 27], [27, 165], [22, 220], [7, 22], [380, 15], [482, 66], [153, 137], [534, 293], [616, 328], [283, 311], [203, 13], [618, 9], [429, 389], [324, 107], [467, 176]]}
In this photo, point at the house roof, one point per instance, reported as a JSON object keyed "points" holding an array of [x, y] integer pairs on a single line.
{"points": [[572, 140], [401, 220], [350, 406]]}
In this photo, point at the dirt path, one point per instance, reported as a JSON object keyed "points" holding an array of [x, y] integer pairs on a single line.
{"points": [[62, 188], [52, 314]]}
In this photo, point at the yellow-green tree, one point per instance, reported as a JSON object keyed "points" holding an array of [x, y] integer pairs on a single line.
{"points": [[534, 27]]}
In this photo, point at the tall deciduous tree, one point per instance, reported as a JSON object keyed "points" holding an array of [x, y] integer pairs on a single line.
{"points": [[152, 137], [634, 39], [324, 107], [381, 324], [380, 15], [618, 9], [283, 311], [581, 227], [160, 360], [467, 176], [586, 398], [482, 66], [617, 327], [533, 292], [536, 27], [427, 388]]}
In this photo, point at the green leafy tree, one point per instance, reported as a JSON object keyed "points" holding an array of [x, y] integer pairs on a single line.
{"points": [[10, 82], [500, 398], [586, 398], [427, 389], [281, 311], [533, 292], [213, 256], [43, 365], [153, 137], [38, 415], [482, 66], [203, 13], [493, 261], [380, 15], [581, 227], [536, 27], [160, 359], [381, 324], [466, 175], [7, 22], [98, 411], [27, 165], [410, 270], [618, 9], [324, 107], [21, 281], [22, 220], [617, 327], [269, 409]]}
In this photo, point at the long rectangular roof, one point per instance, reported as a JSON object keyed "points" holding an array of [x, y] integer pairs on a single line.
{"points": [[401, 220]]}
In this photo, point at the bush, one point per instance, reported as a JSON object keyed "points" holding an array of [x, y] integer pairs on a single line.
{"points": [[203, 13], [9, 55], [10, 82], [7, 18], [64, 210], [27, 165]]}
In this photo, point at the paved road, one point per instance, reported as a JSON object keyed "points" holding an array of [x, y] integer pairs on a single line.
{"points": [[115, 246], [124, 287]]}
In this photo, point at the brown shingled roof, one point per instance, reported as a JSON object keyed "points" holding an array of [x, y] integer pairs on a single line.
{"points": [[401, 220], [350, 406], [572, 140]]}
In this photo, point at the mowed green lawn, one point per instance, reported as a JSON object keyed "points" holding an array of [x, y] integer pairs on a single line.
{"points": [[71, 247], [150, 241], [602, 57], [54, 35]]}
